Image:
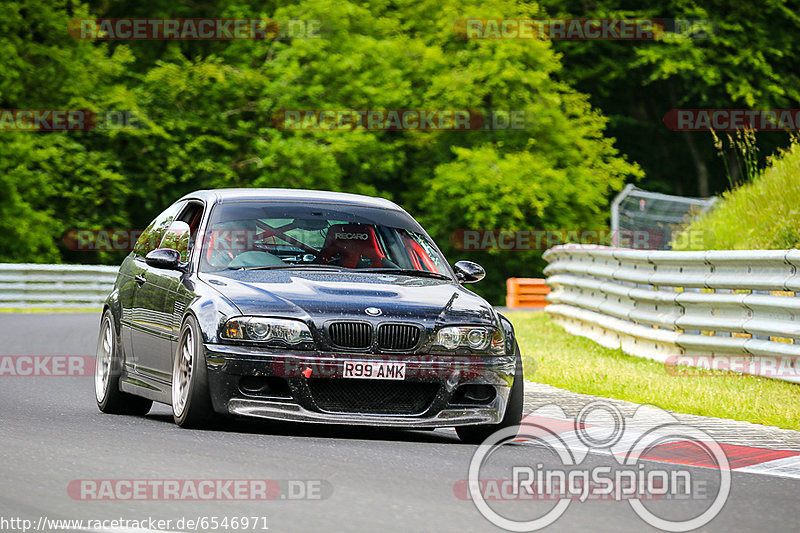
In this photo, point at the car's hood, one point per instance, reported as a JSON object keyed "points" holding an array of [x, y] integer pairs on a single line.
{"points": [[324, 295]]}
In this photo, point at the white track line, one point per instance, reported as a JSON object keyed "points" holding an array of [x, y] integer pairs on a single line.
{"points": [[787, 467]]}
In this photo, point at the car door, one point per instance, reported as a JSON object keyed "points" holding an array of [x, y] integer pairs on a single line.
{"points": [[127, 286], [165, 296], [150, 330]]}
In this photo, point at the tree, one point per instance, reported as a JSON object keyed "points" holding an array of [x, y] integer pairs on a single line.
{"points": [[53, 181], [205, 108], [736, 55]]}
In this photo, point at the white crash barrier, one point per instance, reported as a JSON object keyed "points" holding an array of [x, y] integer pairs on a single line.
{"points": [[721, 309], [55, 286]]}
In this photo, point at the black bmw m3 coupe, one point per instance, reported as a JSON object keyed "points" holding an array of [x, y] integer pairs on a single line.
{"points": [[304, 306]]}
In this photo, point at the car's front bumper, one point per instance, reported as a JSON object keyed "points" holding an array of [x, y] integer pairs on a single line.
{"points": [[228, 365]]}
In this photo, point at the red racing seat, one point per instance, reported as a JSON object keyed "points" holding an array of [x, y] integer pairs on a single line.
{"points": [[352, 242], [419, 257]]}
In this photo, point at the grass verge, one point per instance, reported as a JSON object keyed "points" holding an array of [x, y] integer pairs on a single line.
{"points": [[759, 215], [553, 356]]}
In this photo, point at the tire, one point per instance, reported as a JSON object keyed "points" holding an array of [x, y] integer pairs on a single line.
{"points": [[512, 417], [110, 399], [191, 401]]}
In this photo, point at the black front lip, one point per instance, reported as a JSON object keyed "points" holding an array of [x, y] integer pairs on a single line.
{"points": [[228, 364]]}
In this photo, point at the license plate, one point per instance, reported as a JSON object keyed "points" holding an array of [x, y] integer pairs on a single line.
{"points": [[377, 370]]}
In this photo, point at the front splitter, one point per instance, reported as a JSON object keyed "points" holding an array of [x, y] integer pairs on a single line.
{"points": [[290, 412]]}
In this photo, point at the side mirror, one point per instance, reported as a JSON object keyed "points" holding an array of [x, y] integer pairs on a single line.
{"points": [[165, 258], [469, 272], [177, 237]]}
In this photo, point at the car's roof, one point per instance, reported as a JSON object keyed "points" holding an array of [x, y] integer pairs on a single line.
{"points": [[287, 195]]}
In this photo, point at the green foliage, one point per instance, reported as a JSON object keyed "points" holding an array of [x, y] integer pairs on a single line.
{"points": [[742, 144], [739, 55], [762, 214], [204, 111], [51, 182]]}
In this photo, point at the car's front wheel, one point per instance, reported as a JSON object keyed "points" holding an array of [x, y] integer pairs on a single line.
{"points": [[512, 416], [191, 402], [110, 399]]}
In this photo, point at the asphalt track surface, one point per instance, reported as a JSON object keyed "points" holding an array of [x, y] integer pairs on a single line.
{"points": [[371, 479]]}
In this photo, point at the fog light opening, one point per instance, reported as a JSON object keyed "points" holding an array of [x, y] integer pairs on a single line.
{"points": [[265, 386], [474, 395]]}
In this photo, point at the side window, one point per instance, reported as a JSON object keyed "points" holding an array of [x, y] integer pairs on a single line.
{"points": [[150, 239]]}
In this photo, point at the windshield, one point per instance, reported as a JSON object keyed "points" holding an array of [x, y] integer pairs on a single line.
{"points": [[250, 235]]}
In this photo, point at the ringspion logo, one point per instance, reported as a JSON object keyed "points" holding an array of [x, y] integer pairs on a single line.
{"points": [[621, 469]]}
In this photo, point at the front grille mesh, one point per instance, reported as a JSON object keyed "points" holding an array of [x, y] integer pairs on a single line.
{"points": [[350, 334], [372, 396], [398, 336]]}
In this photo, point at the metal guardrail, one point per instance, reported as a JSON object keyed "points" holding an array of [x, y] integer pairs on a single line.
{"points": [[683, 307], [55, 286]]}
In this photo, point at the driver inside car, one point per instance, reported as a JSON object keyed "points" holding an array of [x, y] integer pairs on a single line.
{"points": [[230, 246]]}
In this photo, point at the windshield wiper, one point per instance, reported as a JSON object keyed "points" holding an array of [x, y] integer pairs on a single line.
{"points": [[334, 268], [406, 271]]}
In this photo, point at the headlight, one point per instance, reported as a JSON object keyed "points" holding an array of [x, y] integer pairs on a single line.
{"points": [[449, 338], [474, 337], [270, 330]]}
